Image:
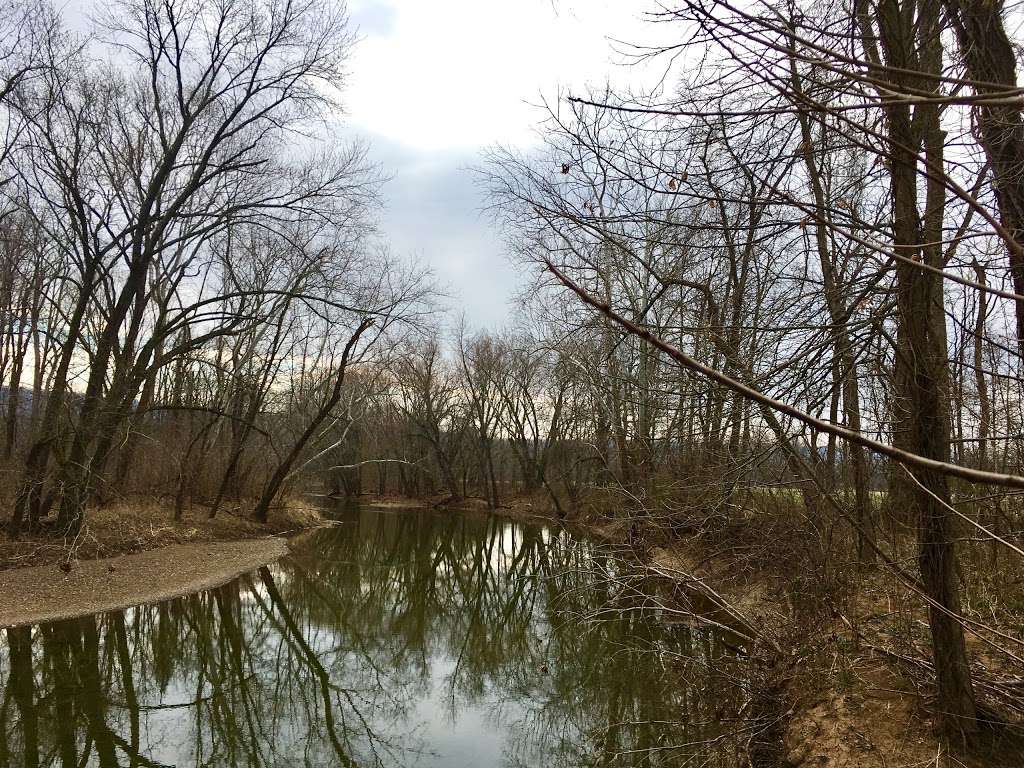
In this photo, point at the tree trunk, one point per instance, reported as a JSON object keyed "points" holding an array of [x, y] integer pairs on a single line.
{"points": [[922, 370], [991, 63], [273, 486]]}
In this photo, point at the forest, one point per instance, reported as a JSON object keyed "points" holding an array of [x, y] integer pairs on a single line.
{"points": [[774, 308]]}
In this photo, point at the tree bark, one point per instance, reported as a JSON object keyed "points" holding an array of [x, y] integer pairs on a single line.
{"points": [[922, 368], [991, 63]]}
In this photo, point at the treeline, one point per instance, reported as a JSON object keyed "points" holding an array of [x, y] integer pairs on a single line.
{"points": [[806, 248], [183, 240], [782, 301], [499, 416]]}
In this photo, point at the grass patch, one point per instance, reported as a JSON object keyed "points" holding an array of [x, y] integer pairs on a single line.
{"points": [[137, 524]]}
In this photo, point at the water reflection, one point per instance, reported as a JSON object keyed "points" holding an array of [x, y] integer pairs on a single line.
{"points": [[394, 639]]}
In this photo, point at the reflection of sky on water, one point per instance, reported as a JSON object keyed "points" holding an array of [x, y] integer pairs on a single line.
{"points": [[408, 639], [457, 739]]}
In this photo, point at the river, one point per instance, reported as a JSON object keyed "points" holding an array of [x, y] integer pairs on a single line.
{"points": [[395, 638]]}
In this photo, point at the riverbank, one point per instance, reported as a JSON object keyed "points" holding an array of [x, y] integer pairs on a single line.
{"points": [[846, 665], [839, 702], [48, 593], [439, 502], [536, 508], [141, 524], [135, 552]]}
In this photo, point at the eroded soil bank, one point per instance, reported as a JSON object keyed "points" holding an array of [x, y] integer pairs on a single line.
{"points": [[842, 698], [48, 592]]}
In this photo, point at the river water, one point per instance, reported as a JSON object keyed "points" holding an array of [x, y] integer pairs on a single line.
{"points": [[396, 638]]}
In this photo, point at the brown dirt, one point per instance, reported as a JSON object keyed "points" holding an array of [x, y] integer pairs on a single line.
{"points": [[134, 552], [751, 599], [844, 704], [841, 704], [47, 592], [863, 720]]}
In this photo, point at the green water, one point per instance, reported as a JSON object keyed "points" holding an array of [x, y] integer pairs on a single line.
{"points": [[395, 639]]}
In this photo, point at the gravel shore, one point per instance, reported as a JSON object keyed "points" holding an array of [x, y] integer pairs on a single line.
{"points": [[47, 593]]}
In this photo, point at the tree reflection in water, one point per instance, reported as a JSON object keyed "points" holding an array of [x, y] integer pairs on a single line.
{"points": [[406, 638]]}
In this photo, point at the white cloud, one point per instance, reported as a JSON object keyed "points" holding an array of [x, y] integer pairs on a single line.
{"points": [[455, 74], [433, 82]]}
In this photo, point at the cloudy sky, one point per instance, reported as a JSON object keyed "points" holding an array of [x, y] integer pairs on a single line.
{"points": [[433, 83]]}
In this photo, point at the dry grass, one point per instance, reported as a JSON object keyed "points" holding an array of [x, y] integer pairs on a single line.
{"points": [[134, 525], [851, 689]]}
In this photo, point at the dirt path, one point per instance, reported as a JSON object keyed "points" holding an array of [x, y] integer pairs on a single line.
{"points": [[46, 593]]}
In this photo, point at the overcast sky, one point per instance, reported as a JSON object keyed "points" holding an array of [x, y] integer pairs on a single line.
{"points": [[433, 83]]}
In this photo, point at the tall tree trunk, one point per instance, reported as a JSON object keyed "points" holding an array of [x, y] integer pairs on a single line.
{"points": [[13, 402], [914, 45], [28, 505], [991, 63], [845, 364], [984, 404]]}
